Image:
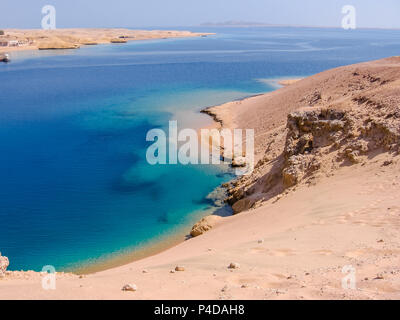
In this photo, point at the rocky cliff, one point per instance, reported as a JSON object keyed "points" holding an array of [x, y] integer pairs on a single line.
{"points": [[333, 124]]}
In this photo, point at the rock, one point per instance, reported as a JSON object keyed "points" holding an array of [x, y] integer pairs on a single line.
{"points": [[217, 196], [4, 263], [234, 265], [261, 241], [129, 287], [179, 268], [172, 271], [204, 225], [145, 271], [4, 57], [387, 162], [118, 40], [242, 205]]}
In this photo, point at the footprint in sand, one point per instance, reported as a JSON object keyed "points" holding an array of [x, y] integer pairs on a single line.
{"points": [[274, 252], [323, 252], [258, 250], [282, 252]]}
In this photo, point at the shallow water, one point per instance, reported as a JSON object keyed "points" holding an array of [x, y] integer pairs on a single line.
{"points": [[74, 184]]}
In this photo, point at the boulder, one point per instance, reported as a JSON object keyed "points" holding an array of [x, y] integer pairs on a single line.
{"points": [[204, 225], [179, 268], [242, 205], [234, 265], [129, 287]]}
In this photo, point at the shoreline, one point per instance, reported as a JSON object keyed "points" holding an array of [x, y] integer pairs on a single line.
{"points": [[170, 240], [223, 120], [181, 235], [72, 39], [290, 243], [152, 247], [149, 248]]}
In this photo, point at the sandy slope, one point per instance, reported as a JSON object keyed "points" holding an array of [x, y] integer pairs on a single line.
{"points": [[293, 243], [307, 236]]}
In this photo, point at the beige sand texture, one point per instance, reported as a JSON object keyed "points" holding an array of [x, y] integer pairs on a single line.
{"points": [[324, 195]]}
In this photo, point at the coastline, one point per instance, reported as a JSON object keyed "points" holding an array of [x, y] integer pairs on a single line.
{"points": [[71, 39], [181, 234], [152, 246], [168, 240], [291, 241]]}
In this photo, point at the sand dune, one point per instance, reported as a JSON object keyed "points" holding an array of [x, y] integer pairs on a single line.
{"points": [[323, 196]]}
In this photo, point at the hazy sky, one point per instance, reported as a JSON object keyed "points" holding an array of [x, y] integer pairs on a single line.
{"points": [[165, 13]]}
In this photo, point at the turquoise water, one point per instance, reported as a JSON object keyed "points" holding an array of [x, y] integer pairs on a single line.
{"points": [[75, 187]]}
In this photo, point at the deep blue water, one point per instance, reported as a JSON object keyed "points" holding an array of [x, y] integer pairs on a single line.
{"points": [[74, 184]]}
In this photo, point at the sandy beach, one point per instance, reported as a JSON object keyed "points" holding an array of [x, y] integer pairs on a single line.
{"points": [[323, 197]]}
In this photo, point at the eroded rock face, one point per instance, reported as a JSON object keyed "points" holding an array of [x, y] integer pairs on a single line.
{"points": [[204, 225], [308, 132], [4, 263], [320, 140], [337, 136], [343, 117]]}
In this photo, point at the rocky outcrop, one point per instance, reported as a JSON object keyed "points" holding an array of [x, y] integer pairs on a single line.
{"points": [[204, 225], [4, 263], [309, 132], [341, 137], [347, 124]]}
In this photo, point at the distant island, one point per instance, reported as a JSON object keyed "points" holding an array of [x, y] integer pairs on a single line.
{"points": [[235, 23]]}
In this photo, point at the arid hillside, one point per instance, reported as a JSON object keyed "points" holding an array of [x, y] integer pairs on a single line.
{"points": [[311, 128]]}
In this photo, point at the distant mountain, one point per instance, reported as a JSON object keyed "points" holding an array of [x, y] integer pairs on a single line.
{"points": [[233, 23]]}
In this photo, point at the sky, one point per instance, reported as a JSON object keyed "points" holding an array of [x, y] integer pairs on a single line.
{"points": [[169, 13]]}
